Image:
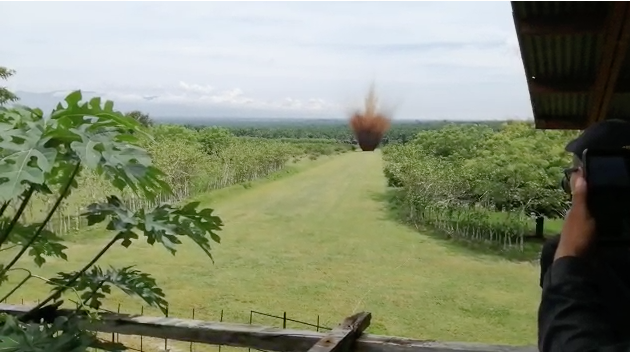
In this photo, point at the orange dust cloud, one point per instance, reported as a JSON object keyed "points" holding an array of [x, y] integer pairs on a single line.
{"points": [[369, 126]]}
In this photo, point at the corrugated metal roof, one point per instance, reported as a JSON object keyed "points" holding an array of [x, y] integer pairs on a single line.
{"points": [[563, 57], [562, 105], [538, 9], [557, 59]]}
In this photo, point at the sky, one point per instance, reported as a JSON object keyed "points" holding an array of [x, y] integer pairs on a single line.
{"points": [[427, 60]]}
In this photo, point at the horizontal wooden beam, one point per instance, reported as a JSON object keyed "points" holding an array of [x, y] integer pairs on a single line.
{"points": [[571, 87], [260, 337], [559, 87], [574, 24], [560, 123]]}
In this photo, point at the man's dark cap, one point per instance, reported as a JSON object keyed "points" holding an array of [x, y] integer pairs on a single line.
{"points": [[607, 134]]}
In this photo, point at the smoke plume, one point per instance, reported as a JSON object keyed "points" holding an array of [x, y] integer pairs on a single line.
{"points": [[369, 125]]}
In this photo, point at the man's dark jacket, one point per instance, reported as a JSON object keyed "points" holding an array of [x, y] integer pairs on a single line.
{"points": [[585, 304]]}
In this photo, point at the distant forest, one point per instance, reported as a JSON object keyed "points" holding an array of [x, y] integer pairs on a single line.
{"points": [[400, 131]]}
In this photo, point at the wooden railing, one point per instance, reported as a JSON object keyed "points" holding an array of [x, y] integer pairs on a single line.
{"points": [[348, 336]]}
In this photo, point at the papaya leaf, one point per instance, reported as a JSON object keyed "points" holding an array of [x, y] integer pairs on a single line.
{"points": [[124, 164], [64, 334], [163, 224], [24, 159], [47, 244], [96, 282], [75, 112]]}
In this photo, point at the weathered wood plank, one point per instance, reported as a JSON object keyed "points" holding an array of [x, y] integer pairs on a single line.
{"points": [[343, 336], [261, 337], [376, 343]]}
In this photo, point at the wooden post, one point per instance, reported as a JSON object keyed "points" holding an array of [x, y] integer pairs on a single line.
{"points": [[193, 318], [141, 337], [118, 335], [540, 227], [221, 320], [166, 340], [342, 337]]}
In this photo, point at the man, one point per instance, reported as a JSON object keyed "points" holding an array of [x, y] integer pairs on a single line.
{"points": [[585, 304]]}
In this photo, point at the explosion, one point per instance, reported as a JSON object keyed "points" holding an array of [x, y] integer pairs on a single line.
{"points": [[369, 126]]}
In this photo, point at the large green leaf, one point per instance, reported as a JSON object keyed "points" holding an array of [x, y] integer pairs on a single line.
{"points": [[63, 335], [163, 224], [96, 282], [108, 152], [75, 112], [47, 244], [24, 159]]}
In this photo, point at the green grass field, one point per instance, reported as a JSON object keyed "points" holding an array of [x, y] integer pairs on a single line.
{"points": [[320, 242]]}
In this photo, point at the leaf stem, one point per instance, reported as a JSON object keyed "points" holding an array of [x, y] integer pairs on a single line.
{"points": [[98, 287], [61, 197], [60, 290], [30, 275], [17, 215], [3, 299]]}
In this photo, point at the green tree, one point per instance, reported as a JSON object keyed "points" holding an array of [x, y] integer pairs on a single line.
{"points": [[44, 158], [141, 117], [213, 139], [6, 96], [461, 171]]}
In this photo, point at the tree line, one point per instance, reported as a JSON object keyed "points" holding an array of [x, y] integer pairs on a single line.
{"points": [[400, 132], [480, 183], [193, 162]]}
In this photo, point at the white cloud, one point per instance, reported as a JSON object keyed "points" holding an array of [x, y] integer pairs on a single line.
{"points": [[203, 95], [431, 58], [196, 88]]}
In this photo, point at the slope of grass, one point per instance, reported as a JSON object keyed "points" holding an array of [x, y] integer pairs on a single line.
{"points": [[320, 242]]}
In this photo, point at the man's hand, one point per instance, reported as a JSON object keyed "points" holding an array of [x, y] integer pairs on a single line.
{"points": [[578, 230]]}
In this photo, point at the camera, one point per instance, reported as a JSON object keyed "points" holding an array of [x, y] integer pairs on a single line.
{"points": [[607, 174]]}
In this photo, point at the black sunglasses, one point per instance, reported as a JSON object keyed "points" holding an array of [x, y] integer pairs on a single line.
{"points": [[566, 180]]}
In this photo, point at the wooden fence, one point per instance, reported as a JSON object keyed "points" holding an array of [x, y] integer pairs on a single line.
{"points": [[348, 336]]}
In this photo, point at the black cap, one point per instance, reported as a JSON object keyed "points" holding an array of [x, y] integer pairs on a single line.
{"points": [[607, 134]]}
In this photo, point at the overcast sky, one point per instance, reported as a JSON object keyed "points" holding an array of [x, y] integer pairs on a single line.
{"points": [[429, 60]]}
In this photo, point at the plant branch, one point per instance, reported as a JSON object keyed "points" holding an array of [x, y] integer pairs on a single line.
{"points": [[4, 207], [60, 290], [61, 197], [17, 215]]}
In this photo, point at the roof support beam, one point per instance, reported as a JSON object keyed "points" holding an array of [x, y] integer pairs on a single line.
{"points": [[616, 40], [555, 123], [559, 87], [563, 25], [569, 86]]}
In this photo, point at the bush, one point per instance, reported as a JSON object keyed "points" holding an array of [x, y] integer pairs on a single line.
{"points": [[499, 179]]}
